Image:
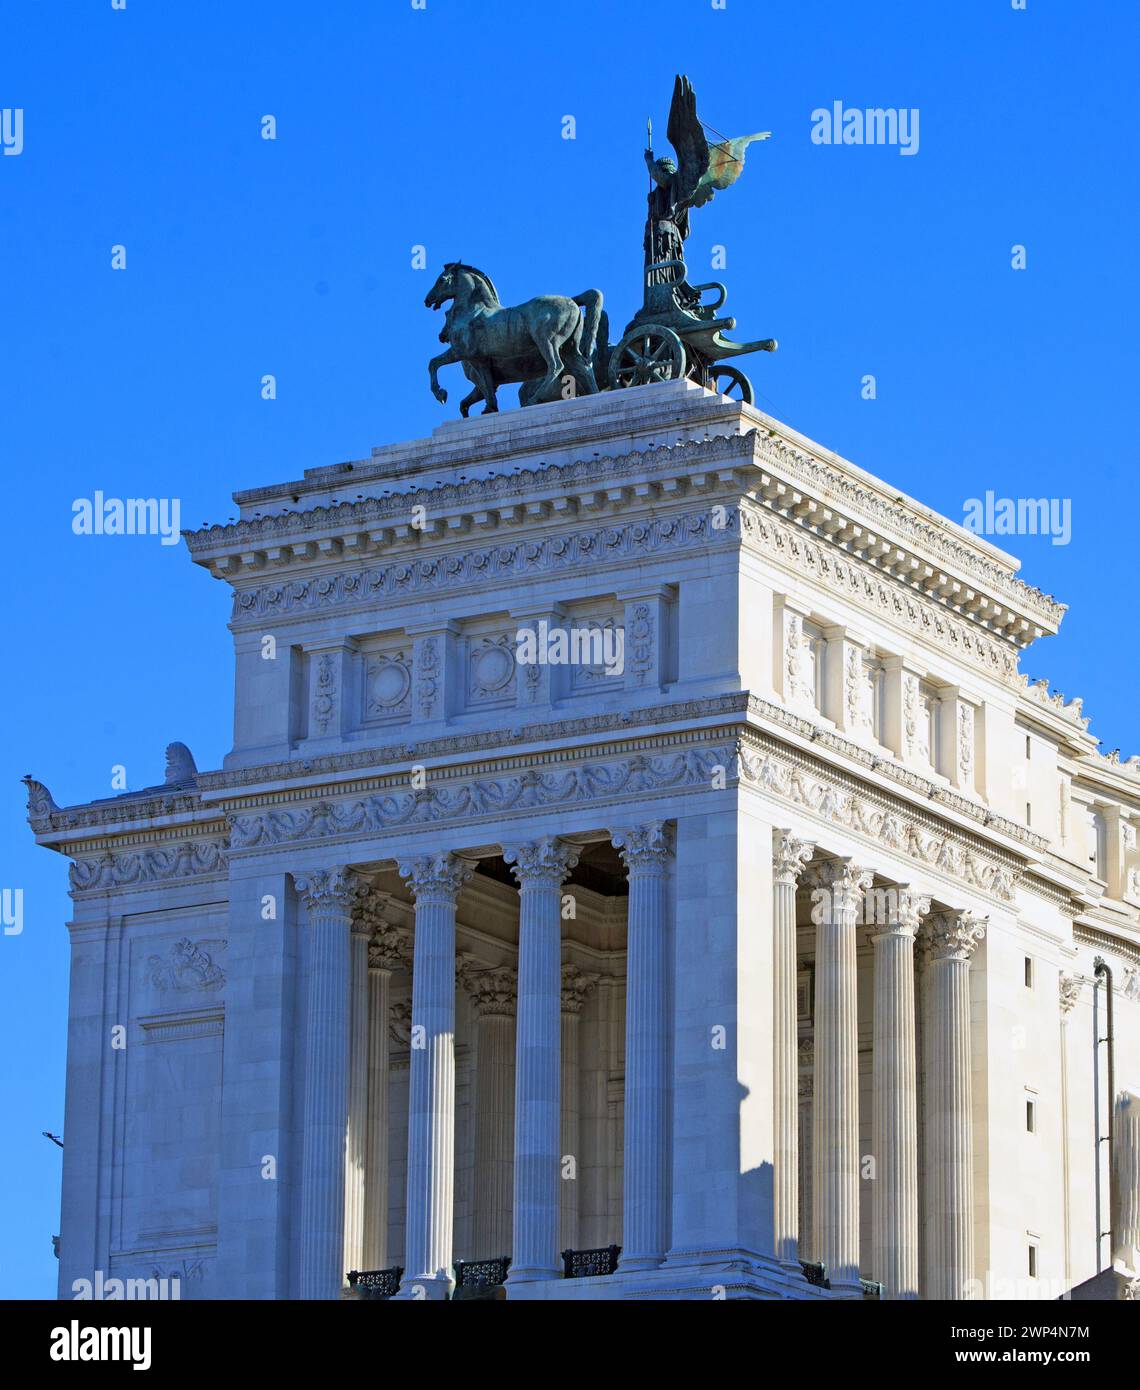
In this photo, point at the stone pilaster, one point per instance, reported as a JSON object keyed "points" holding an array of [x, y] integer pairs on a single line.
{"points": [[646, 626], [949, 1188], [540, 868], [577, 986], [789, 855], [327, 895], [895, 1099], [839, 886], [647, 853], [1068, 992], [495, 996], [435, 880]]}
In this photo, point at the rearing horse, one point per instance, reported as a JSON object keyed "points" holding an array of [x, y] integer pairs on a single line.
{"points": [[538, 343]]}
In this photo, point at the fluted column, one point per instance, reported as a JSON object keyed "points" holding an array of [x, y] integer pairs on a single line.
{"points": [[495, 996], [646, 850], [1126, 1182], [327, 895], [356, 1146], [435, 880], [949, 1187], [895, 1099], [389, 949], [789, 855], [577, 986], [839, 885], [540, 867]]}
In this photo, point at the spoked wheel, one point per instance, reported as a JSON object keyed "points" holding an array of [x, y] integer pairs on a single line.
{"points": [[731, 382], [646, 354]]}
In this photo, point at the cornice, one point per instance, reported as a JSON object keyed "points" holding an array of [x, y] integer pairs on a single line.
{"points": [[606, 776], [921, 529], [907, 544], [384, 769], [486, 740], [1107, 941]]}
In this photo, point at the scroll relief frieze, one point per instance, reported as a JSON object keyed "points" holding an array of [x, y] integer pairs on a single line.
{"points": [[189, 859], [888, 824], [492, 564], [533, 789]]}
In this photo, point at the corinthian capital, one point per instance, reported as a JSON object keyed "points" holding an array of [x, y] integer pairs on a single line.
{"points": [[435, 877], [577, 986], [645, 849], [1069, 990], [842, 883], [903, 911], [954, 935], [544, 862], [322, 889], [789, 855], [493, 992]]}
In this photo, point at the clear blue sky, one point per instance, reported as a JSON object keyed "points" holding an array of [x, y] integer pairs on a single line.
{"points": [[442, 127]]}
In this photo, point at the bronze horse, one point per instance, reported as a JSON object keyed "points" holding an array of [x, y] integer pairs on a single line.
{"points": [[541, 343]]}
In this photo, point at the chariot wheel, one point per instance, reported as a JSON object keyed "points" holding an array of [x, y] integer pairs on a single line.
{"points": [[651, 352], [731, 382]]}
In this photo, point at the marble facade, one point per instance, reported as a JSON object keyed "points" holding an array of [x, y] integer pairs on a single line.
{"points": [[766, 954]]}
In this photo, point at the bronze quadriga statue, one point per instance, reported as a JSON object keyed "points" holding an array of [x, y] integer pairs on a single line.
{"points": [[557, 346]]}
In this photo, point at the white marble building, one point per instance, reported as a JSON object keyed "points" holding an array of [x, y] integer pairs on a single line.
{"points": [[772, 942]]}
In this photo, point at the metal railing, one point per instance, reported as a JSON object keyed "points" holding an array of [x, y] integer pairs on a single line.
{"points": [[485, 1274], [586, 1264], [376, 1283]]}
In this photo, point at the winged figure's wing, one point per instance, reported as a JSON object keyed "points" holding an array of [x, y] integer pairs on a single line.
{"points": [[726, 159], [687, 137]]}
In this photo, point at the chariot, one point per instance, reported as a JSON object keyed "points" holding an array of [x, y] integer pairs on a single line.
{"points": [[677, 333]]}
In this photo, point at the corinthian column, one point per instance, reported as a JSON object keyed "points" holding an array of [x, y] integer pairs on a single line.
{"points": [[356, 1147], [327, 895], [389, 949], [789, 855], [495, 995], [1126, 1182], [576, 988], [839, 885], [540, 868], [645, 1202], [435, 880], [949, 1166], [895, 1099]]}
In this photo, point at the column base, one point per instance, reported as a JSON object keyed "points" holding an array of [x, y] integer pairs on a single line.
{"points": [[531, 1274], [629, 1264], [429, 1288]]}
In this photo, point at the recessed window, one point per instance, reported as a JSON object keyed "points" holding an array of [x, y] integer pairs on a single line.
{"points": [[1033, 1262], [1028, 972], [1028, 748], [1029, 813], [1031, 1116]]}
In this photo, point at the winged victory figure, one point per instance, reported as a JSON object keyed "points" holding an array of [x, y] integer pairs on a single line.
{"points": [[699, 171]]}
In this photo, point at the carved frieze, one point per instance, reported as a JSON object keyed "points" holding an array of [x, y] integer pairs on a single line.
{"points": [[868, 814], [532, 789], [129, 868]]}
